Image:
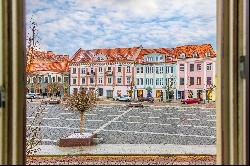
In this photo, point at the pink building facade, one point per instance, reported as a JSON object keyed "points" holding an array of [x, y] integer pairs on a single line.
{"points": [[196, 74], [196, 78]]}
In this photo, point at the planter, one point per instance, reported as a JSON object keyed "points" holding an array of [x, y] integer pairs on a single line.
{"points": [[77, 139]]}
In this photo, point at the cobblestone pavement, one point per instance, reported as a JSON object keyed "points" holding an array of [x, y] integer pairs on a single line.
{"points": [[123, 160], [116, 124]]}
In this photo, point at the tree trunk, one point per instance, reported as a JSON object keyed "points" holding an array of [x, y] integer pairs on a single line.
{"points": [[81, 122]]}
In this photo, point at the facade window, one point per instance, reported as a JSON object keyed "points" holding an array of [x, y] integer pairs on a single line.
{"points": [[147, 81], [161, 57], [209, 66], [209, 80], [53, 79], [157, 81], [138, 70], [109, 68], [119, 69], [191, 67], [138, 81], [161, 81], [152, 69], [109, 80], [181, 81], [91, 80], [172, 69], [128, 69], [59, 79], [100, 69], [151, 81], [191, 80], [141, 81], [83, 80], [83, 71], [128, 80], [74, 71], [198, 80], [157, 70], [74, 81], [119, 80], [167, 70], [92, 70], [182, 67], [66, 79], [100, 80], [199, 67], [141, 69], [46, 80], [161, 70]]}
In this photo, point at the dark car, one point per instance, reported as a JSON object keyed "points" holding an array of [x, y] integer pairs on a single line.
{"points": [[149, 99], [191, 101]]}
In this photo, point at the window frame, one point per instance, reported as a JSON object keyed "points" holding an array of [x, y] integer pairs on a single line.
{"points": [[228, 14]]}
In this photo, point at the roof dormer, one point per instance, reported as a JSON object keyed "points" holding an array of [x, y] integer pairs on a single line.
{"points": [[208, 54], [182, 55], [100, 57], [195, 54]]}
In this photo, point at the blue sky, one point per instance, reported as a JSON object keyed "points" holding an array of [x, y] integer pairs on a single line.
{"points": [[64, 26]]}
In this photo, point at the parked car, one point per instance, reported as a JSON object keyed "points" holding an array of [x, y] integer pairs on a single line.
{"points": [[149, 99], [123, 98], [191, 101], [30, 95]]}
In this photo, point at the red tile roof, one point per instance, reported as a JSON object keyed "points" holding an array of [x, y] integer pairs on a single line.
{"points": [[112, 55], [189, 50], [48, 61], [165, 51]]}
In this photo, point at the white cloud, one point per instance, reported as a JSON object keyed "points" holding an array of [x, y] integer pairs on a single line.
{"points": [[66, 25]]}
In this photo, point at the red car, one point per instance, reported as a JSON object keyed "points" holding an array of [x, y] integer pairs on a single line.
{"points": [[191, 101]]}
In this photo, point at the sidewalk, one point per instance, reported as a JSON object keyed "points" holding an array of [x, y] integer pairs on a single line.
{"points": [[128, 149], [125, 154]]}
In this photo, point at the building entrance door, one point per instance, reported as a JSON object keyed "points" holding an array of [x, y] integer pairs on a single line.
{"points": [[109, 93]]}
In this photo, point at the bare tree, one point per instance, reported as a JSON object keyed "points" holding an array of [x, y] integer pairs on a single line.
{"points": [[32, 42], [81, 102], [33, 137]]}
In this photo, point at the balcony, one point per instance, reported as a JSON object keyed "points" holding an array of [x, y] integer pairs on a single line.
{"points": [[109, 73]]}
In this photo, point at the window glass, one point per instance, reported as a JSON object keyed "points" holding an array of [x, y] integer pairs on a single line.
{"points": [[191, 67], [198, 67], [181, 81], [191, 80], [182, 67]]}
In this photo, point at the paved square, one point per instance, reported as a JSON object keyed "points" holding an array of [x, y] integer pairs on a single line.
{"points": [[123, 125]]}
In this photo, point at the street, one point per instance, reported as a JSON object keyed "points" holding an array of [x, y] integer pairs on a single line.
{"points": [[117, 124]]}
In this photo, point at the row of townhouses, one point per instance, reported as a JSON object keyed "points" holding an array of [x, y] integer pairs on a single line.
{"points": [[168, 73], [48, 71], [177, 73]]}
